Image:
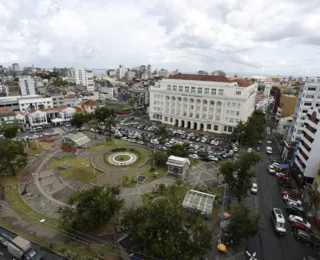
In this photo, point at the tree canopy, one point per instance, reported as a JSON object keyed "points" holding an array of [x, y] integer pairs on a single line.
{"points": [[10, 131], [78, 120], [160, 158], [89, 209], [243, 223], [167, 231], [178, 150], [102, 113], [12, 155], [238, 174], [162, 133]]}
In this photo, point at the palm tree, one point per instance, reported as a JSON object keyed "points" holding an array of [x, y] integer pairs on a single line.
{"points": [[162, 132], [131, 102], [108, 124]]}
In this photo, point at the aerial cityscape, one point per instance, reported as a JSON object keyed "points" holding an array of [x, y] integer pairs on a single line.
{"points": [[159, 130]]}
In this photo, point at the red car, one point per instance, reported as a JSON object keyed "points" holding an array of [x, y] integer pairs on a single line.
{"points": [[301, 226], [292, 194], [283, 179], [219, 149]]}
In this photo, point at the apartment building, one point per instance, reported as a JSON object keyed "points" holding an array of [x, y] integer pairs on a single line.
{"points": [[202, 102], [307, 157], [27, 103], [85, 78], [26, 84], [286, 106], [308, 97]]}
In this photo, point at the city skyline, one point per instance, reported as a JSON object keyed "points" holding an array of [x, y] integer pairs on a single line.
{"points": [[246, 37]]}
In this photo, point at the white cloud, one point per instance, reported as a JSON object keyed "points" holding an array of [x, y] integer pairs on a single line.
{"points": [[273, 36]]}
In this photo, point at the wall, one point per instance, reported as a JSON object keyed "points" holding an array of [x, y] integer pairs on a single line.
{"points": [[288, 104]]}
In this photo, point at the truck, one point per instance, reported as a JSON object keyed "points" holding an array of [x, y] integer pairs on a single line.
{"points": [[21, 249]]}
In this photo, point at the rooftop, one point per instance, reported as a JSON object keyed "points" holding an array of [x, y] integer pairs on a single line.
{"points": [[78, 138], [177, 161], [6, 111], [199, 200], [90, 103]]}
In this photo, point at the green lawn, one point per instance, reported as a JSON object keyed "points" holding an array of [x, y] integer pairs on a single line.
{"points": [[128, 181], [79, 168], [114, 142], [178, 195], [15, 201], [34, 149]]}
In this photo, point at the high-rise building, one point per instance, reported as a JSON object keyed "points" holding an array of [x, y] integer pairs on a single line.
{"points": [[163, 73], [149, 70], [121, 72], [307, 157], [26, 84], [308, 97], [85, 77], [15, 67], [202, 102]]}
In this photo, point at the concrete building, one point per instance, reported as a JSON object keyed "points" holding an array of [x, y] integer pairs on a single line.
{"points": [[208, 103], [109, 92], [27, 87], [85, 78], [178, 166], [307, 157], [15, 67], [111, 73], [286, 106], [284, 125], [90, 106], [4, 90], [24, 103], [7, 117], [37, 118], [149, 69], [308, 97], [121, 72], [141, 95], [267, 89], [130, 74], [163, 73]]}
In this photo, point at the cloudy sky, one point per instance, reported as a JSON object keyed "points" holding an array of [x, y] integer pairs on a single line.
{"points": [[238, 36]]}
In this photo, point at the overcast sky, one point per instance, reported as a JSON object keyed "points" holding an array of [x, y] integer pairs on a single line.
{"points": [[242, 36]]}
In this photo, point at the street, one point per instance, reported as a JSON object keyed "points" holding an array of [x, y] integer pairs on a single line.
{"points": [[267, 244]]}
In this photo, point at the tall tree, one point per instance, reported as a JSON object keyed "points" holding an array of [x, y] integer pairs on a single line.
{"points": [[12, 155], [131, 102], [102, 114], [178, 150], [10, 131], [167, 231], [162, 133], [238, 174], [94, 124], [243, 223], [78, 120], [109, 123], [159, 157], [91, 208]]}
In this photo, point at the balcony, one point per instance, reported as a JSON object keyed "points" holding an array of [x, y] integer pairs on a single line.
{"points": [[300, 164], [307, 136], [305, 147], [303, 156]]}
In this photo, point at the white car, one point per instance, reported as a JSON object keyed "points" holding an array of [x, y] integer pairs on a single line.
{"points": [[212, 158], [294, 219], [124, 138], [216, 142], [168, 145], [269, 150], [271, 169], [276, 165], [194, 156], [212, 141], [254, 189], [289, 199], [249, 150], [235, 149]]}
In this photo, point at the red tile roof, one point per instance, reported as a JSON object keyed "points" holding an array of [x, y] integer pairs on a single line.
{"points": [[200, 77], [241, 82], [78, 110], [90, 103], [53, 109], [6, 111]]}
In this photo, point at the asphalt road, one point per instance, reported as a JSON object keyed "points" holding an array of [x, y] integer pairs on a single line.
{"points": [[267, 244], [5, 255]]}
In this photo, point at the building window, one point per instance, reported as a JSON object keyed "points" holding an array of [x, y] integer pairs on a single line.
{"points": [[233, 105], [166, 119], [230, 129], [193, 89], [311, 88], [237, 113], [307, 104], [309, 96], [238, 105], [186, 89], [199, 90], [228, 112], [220, 92], [215, 128], [171, 119], [204, 109], [180, 88], [213, 91], [208, 126], [231, 120], [232, 112], [206, 91], [225, 129], [169, 87], [304, 111], [238, 93], [174, 88]]}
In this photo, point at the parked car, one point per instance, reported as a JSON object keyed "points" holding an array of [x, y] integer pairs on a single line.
{"points": [[271, 169], [249, 150], [288, 198], [254, 188], [298, 219], [307, 238], [295, 209], [278, 221], [213, 158], [291, 193], [194, 156], [301, 226]]}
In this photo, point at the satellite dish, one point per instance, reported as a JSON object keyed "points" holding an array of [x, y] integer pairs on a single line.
{"points": [[252, 256]]}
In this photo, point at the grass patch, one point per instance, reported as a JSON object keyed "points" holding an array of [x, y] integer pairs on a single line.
{"points": [[122, 158], [178, 195], [79, 168], [15, 201], [34, 148], [128, 181], [141, 154], [114, 142]]}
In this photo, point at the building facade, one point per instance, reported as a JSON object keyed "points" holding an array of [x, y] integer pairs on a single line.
{"points": [[307, 157], [201, 102], [308, 97], [15, 67], [286, 106], [7, 117], [37, 118], [85, 78], [26, 103], [26, 84], [163, 73]]}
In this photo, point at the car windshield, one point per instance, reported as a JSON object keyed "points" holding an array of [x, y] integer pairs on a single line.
{"points": [[280, 225]]}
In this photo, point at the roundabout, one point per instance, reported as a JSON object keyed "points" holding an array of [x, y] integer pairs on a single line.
{"points": [[122, 158]]}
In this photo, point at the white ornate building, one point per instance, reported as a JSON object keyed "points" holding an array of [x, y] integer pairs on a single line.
{"points": [[202, 102]]}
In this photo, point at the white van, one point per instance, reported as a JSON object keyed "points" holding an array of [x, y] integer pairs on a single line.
{"points": [[278, 221], [36, 129], [269, 150]]}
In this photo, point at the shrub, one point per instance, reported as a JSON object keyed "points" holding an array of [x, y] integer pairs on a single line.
{"points": [[73, 255], [68, 253], [152, 169]]}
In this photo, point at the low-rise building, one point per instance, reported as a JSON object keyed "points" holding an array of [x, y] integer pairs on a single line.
{"points": [[90, 106], [37, 118], [120, 108], [284, 125], [7, 117], [178, 166]]}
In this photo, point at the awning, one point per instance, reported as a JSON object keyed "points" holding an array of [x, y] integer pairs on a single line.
{"points": [[284, 166], [57, 120]]}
